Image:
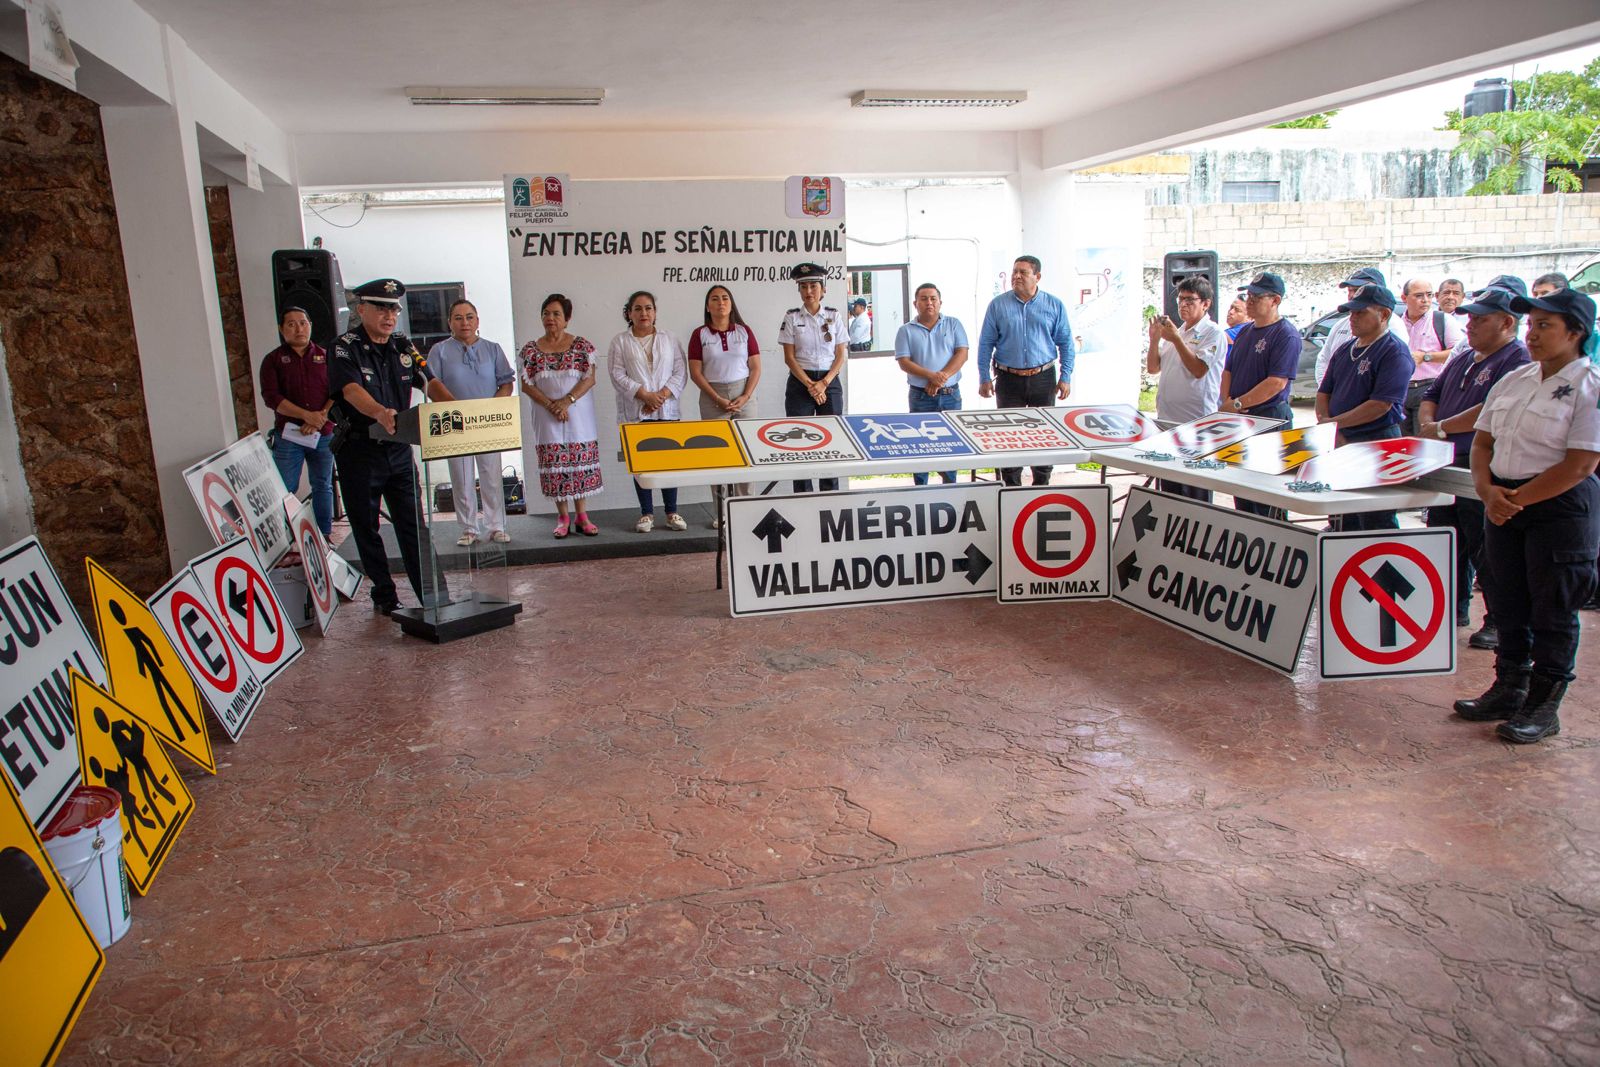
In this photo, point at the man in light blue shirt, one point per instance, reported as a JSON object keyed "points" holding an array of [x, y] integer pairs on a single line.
{"points": [[931, 349], [474, 368], [1025, 333]]}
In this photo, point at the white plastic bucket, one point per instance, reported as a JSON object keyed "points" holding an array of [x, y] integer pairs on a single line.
{"points": [[84, 841]]}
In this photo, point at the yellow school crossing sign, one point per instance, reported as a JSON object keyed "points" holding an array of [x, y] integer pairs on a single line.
{"points": [[1276, 453], [653, 447], [146, 672], [48, 958], [116, 750]]}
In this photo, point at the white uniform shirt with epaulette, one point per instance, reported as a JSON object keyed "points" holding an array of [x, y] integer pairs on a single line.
{"points": [[1535, 420], [815, 337]]}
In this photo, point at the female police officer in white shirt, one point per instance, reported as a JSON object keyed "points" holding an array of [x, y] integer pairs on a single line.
{"points": [[813, 338], [1533, 465]]}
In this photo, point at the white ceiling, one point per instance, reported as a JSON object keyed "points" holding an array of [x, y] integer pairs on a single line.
{"points": [[723, 64]]}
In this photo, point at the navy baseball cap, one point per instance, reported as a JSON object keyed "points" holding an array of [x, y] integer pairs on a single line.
{"points": [[1365, 276], [1265, 282], [1369, 296], [1509, 283], [1563, 302], [1491, 301]]}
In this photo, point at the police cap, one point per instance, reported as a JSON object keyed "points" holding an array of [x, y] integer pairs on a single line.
{"points": [[381, 291], [810, 272]]}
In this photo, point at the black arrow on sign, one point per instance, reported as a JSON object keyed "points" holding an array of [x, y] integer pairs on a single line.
{"points": [[974, 563], [242, 602], [1127, 571], [772, 529], [1391, 581], [1144, 521]]}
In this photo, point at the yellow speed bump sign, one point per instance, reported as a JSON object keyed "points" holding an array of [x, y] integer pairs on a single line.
{"points": [[117, 750], [147, 674], [652, 447], [1275, 453], [48, 958]]}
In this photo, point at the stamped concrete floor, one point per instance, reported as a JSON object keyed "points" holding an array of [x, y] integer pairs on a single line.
{"points": [[631, 830]]}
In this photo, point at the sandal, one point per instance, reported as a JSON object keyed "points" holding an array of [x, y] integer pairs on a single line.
{"points": [[582, 522], [562, 527]]}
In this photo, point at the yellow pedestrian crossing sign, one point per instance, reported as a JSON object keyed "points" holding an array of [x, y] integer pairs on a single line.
{"points": [[116, 750], [147, 674], [49, 959]]}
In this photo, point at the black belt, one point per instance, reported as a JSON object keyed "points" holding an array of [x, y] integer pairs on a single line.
{"points": [[1024, 372], [949, 390]]}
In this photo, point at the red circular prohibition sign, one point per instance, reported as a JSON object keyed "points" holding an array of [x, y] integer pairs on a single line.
{"points": [[259, 591], [1072, 418], [1021, 522], [1352, 571], [220, 522], [308, 549], [183, 599], [827, 436]]}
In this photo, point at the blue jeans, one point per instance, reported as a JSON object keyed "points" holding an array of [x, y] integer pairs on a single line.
{"points": [[949, 399], [289, 456], [669, 499]]}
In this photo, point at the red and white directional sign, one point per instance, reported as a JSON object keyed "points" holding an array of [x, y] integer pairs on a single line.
{"points": [[1206, 435], [817, 439], [1370, 463], [1006, 430], [1055, 543], [314, 558], [235, 585], [1388, 603], [1104, 425], [218, 667]]}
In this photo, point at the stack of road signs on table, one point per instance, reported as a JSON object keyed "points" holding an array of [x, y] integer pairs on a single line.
{"points": [[925, 435], [1388, 603], [1374, 463], [815, 439], [1055, 543], [1104, 425], [657, 447], [1211, 433], [1280, 451]]}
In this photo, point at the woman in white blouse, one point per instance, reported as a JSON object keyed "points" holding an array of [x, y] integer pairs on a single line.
{"points": [[725, 364], [648, 371]]}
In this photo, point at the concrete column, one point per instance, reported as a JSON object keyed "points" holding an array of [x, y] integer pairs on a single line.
{"points": [[263, 223], [1045, 208], [154, 159]]}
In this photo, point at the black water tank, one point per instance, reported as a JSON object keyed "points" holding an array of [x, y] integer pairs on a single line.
{"points": [[1489, 95]]}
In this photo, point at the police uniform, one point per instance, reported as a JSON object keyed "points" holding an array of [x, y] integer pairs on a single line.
{"points": [[815, 339], [371, 470], [1543, 557]]}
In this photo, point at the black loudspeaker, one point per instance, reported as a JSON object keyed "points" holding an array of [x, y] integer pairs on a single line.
{"points": [[309, 278], [1176, 266]]}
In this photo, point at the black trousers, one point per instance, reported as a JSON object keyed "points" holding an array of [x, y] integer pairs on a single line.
{"points": [[1465, 516], [1273, 409], [1193, 492], [370, 472], [1025, 391], [797, 403], [1542, 559]]}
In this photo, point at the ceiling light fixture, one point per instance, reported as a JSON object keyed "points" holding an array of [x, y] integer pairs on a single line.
{"points": [[935, 98], [492, 95]]}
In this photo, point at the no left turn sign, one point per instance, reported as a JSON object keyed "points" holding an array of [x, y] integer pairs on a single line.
{"points": [[1388, 603], [1055, 543]]}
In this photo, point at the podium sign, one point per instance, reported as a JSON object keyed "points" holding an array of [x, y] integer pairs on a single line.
{"points": [[468, 427]]}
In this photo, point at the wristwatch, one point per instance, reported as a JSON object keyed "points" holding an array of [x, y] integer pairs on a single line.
{"points": [[1237, 404], [1438, 429]]}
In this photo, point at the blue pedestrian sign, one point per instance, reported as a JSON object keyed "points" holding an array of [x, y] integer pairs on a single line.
{"points": [[927, 435]]}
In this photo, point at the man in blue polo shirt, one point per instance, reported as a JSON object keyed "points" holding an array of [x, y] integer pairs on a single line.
{"points": [[1364, 391], [1260, 365], [1449, 411], [1025, 332], [931, 349]]}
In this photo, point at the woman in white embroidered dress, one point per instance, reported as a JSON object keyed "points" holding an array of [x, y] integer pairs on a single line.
{"points": [[558, 374]]}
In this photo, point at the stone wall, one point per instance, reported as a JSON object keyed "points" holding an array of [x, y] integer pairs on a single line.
{"points": [[77, 392], [241, 372]]}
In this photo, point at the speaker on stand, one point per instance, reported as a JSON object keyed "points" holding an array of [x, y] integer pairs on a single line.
{"points": [[1175, 267], [309, 278]]}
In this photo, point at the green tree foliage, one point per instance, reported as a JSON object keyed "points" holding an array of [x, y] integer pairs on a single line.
{"points": [[1319, 121], [1556, 113]]}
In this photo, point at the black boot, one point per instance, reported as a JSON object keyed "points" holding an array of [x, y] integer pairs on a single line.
{"points": [[1502, 700], [1487, 636], [1538, 719]]}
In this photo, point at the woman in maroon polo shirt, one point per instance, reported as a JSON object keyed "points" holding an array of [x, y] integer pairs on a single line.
{"points": [[294, 383]]}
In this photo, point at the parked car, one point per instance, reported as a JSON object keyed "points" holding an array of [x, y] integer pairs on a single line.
{"points": [[1586, 279]]}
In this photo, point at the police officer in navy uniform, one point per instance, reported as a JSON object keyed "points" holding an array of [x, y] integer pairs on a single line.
{"points": [[814, 340], [1533, 466], [371, 376]]}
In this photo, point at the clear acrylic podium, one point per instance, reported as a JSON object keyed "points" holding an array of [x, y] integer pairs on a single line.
{"points": [[466, 591]]}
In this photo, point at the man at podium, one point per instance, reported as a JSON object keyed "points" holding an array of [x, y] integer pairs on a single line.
{"points": [[371, 376]]}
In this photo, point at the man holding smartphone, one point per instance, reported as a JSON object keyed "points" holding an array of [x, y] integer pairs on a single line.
{"points": [[1188, 355]]}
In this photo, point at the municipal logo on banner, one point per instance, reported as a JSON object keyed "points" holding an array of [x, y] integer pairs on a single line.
{"points": [[240, 493], [809, 196], [1372, 463], [215, 662], [1388, 603], [655, 447], [147, 674], [1012, 430], [814, 439], [829, 550], [537, 199], [314, 560], [42, 641], [236, 589], [1225, 576], [118, 752], [1206, 435], [926, 435], [1055, 543], [1104, 425], [49, 959], [1284, 450]]}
